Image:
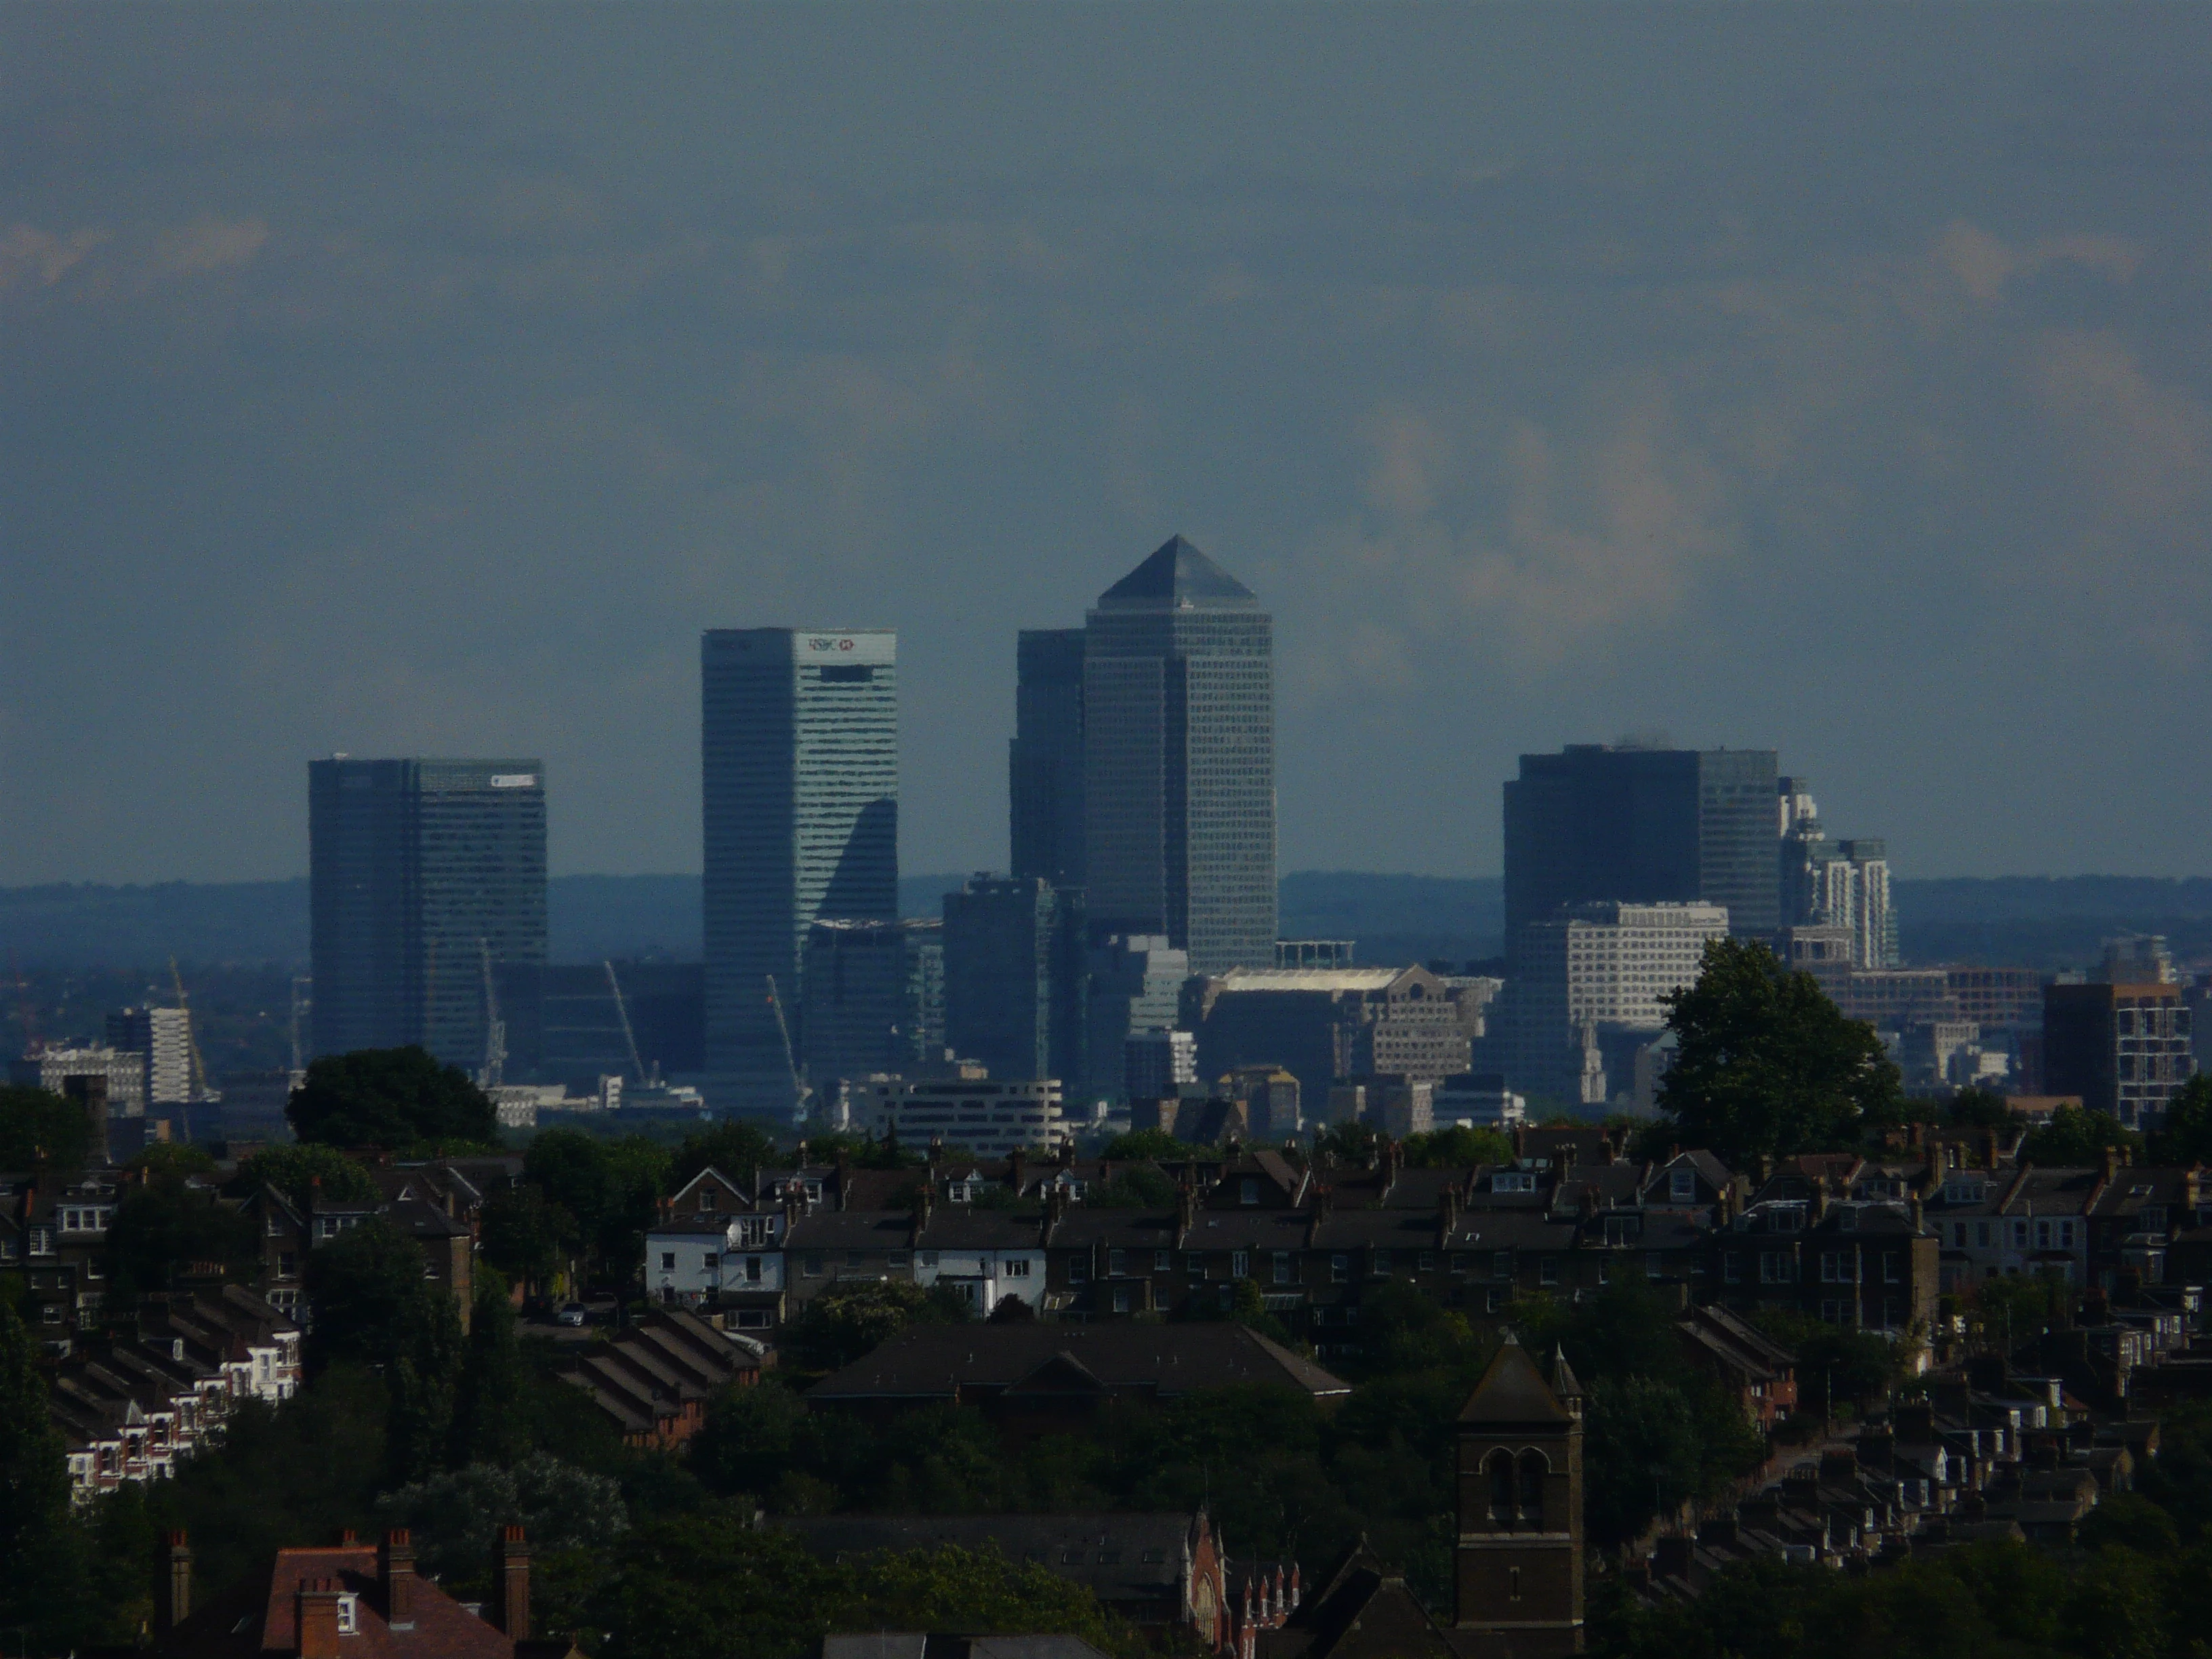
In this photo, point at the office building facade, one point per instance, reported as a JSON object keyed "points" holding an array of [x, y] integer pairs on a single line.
{"points": [[1595, 823], [990, 1118], [426, 878], [1136, 985], [1179, 761], [1044, 763], [1015, 977], [162, 1040], [798, 734], [875, 1000]]}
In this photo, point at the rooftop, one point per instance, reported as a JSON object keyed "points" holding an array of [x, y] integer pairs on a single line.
{"points": [[1178, 576]]}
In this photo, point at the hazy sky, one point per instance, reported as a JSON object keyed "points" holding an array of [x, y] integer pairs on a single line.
{"points": [[406, 380]]}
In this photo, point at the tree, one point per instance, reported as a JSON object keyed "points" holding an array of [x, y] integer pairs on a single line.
{"points": [[608, 1188], [522, 1231], [488, 1425], [456, 1517], [298, 1169], [1458, 1147], [1765, 1063], [1979, 1108], [845, 1322], [39, 1563], [177, 1158], [733, 1146], [2077, 1137], [390, 1098], [165, 1224], [1139, 1145], [2185, 1136], [360, 1285], [37, 1127], [1350, 1143], [424, 1378]]}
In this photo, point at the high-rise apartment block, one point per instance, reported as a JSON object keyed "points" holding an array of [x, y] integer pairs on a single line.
{"points": [[2123, 1042], [1828, 884], [1044, 768], [799, 735], [162, 1040], [1014, 977], [425, 878], [1630, 825], [1179, 761]]}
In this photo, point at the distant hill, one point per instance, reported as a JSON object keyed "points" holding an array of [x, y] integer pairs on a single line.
{"points": [[2033, 921]]}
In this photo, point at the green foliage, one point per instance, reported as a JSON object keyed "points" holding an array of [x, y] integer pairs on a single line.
{"points": [[456, 1517], [2003, 1313], [363, 1285], [2077, 1137], [1979, 1108], [300, 1168], [1458, 1147], [1140, 1143], [390, 1098], [733, 1146], [488, 1428], [1857, 1366], [165, 1225], [607, 1189], [520, 1232], [2185, 1135], [37, 1129], [171, 1159], [424, 1378], [1766, 1063], [2131, 1521], [861, 1151], [847, 1321], [1401, 1329], [38, 1568], [1139, 1187], [1352, 1143]]}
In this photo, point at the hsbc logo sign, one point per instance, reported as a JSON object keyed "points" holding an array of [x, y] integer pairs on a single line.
{"points": [[818, 643]]}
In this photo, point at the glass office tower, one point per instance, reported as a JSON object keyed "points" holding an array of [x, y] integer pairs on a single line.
{"points": [[1179, 762], [1595, 823], [1044, 763], [799, 738], [427, 878]]}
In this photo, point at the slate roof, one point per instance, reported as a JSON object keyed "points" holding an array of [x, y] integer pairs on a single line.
{"points": [[1178, 575], [1512, 1390], [1361, 1609], [263, 1617], [933, 1362]]}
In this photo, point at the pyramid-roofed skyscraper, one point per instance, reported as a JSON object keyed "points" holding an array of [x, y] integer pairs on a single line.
{"points": [[1179, 761]]}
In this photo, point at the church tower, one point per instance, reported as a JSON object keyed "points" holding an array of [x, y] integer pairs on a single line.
{"points": [[1517, 1569]]}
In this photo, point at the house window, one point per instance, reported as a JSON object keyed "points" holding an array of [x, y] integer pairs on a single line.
{"points": [[812, 1264], [1339, 1268], [1547, 1271], [288, 1264], [1382, 1264], [668, 1261], [752, 1270], [1163, 1261], [1120, 1298], [1459, 1261], [2020, 1235], [1247, 1191], [1604, 1271], [348, 1616], [1428, 1261], [1117, 1263], [1501, 1264], [1239, 1264], [276, 1226], [2043, 1235], [1078, 1270], [1890, 1267], [1732, 1268], [1683, 1186], [707, 1200], [1774, 1268], [1982, 1234], [707, 1262], [1513, 1181], [1493, 1299], [1282, 1267], [929, 1258], [1194, 1264], [1016, 1267]]}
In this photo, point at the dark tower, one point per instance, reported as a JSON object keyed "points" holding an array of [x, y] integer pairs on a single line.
{"points": [[1517, 1569]]}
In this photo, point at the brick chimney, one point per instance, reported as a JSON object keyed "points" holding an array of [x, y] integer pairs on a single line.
{"points": [[318, 1607], [1017, 1169], [514, 1584], [395, 1571], [177, 1598]]}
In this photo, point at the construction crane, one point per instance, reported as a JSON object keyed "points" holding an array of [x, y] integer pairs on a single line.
{"points": [[495, 1049], [622, 1014], [298, 982], [27, 1012], [799, 1089], [196, 1085]]}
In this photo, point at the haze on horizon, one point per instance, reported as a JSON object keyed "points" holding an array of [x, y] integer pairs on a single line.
{"points": [[423, 381]]}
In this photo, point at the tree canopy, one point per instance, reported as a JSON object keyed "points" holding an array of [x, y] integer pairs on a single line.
{"points": [[164, 1225], [733, 1146], [297, 1170], [1765, 1063], [842, 1324], [2185, 1135], [2076, 1136], [36, 1127], [1457, 1147], [390, 1098]]}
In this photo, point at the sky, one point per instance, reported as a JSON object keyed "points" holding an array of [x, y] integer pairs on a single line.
{"points": [[422, 380]]}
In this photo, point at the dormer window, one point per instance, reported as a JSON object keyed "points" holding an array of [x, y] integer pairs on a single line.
{"points": [[1513, 1181], [707, 1199], [1683, 1186], [349, 1616]]}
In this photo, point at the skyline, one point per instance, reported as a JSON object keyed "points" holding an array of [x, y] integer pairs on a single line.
{"points": [[1554, 373]]}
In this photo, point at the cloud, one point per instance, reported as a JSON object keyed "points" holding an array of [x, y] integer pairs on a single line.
{"points": [[208, 244], [28, 254]]}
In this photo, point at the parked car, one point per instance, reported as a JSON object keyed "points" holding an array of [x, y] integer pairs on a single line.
{"points": [[573, 1313]]}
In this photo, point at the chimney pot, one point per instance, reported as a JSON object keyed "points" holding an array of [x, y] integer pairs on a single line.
{"points": [[177, 1605], [514, 1580]]}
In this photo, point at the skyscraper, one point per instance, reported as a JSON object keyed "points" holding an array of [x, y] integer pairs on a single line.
{"points": [[1179, 761], [1596, 823], [1015, 977], [426, 877], [798, 736], [1044, 762]]}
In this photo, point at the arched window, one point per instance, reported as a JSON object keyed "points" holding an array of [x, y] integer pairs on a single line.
{"points": [[1534, 1469], [1500, 1465]]}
